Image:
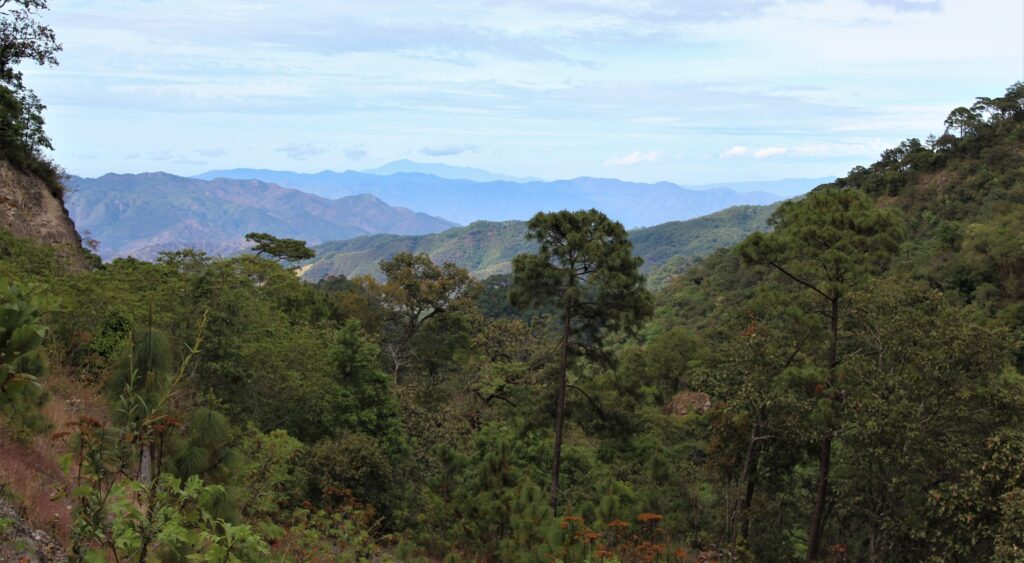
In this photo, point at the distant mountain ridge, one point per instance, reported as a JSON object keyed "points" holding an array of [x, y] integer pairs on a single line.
{"points": [[486, 248], [787, 188], [443, 171], [143, 214], [465, 201]]}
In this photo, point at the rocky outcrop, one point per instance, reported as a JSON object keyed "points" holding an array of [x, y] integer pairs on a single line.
{"points": [[29, 209], [22, 543], [686, 402]]}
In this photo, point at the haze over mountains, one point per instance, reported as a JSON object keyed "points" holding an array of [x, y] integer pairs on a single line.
{"points": [[143, 214], [465, 201], [443, 171]]}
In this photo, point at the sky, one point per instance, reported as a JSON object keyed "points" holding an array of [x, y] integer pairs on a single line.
{"points": [[688, 91]]}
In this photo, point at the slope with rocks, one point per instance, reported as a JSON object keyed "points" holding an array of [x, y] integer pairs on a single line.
{"points": [[29, 208]]}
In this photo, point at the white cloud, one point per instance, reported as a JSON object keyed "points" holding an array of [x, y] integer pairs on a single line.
{"points": [[635, 157], [851, 148], [735, 151], [302, 152], [252, 76], [355, 153], [211, 153], [768, 152], [448, 150]]}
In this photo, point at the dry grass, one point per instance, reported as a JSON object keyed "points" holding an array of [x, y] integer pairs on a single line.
{"points": [[29, 469]]}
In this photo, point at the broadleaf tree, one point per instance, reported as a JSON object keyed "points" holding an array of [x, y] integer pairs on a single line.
{"points": [[416, 292], [24, 38], [22, 358]]}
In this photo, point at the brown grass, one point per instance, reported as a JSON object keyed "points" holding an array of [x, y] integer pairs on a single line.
{"points": [[29, 469]]}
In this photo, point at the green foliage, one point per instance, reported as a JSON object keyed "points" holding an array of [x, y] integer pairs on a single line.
{"points": [[483, 248], [22, 138], [975, 516], [128, 501], [274, 477], [498, 510], [827, 241], [22, 360], [486, 249], [928, 387], [881, 316], [585, 268], [417, 292], [28, 260], [178, 523], [286, 249], [829, 244], [345, 533], [355, 465]]}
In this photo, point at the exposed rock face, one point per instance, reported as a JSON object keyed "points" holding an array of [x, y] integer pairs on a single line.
{"points": [[22, 543], [28, 209], [686, 402]]}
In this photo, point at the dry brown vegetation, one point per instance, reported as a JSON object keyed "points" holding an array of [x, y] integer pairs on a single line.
{"points": [[30, 475]]}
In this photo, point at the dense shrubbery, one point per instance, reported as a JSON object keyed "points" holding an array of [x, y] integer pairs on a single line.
{"points": [[863, 391]]}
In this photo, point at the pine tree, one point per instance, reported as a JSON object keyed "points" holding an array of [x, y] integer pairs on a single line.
{"points": [[585, 268], [827, 244]]}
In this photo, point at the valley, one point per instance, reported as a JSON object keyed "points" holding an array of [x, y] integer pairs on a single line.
{"points": [[499, 332]]}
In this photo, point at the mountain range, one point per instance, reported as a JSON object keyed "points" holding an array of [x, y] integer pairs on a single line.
{"points": [[465, 201], [486, 248], [141, 215], [443, 171]]}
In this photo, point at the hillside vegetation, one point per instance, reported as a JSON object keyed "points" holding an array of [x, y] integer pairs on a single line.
{"points": [[486, 248], [844, 386]]}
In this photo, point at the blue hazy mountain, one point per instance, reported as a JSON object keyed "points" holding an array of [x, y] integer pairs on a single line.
{"points": [[443, 171], [143, 214], [465, 201], [790, 187]]}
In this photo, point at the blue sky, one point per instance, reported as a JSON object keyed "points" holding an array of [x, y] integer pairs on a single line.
{"points": [[690, 91]]}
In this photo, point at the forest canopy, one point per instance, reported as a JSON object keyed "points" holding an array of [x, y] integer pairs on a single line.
{"points": [[846, 386]]}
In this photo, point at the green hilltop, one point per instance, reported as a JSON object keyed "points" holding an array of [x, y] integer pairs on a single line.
{"points": [[487, 248]]}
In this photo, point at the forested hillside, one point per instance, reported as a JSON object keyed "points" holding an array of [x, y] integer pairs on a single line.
{"points": [[842, 386], [486, 248]]}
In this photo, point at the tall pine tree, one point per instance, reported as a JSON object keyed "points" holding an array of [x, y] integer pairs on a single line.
{"points": [[829, 244], [586, 269]]}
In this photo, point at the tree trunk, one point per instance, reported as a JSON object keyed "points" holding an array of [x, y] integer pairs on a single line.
{"points": [[749, 478], [818, 518], [873, 545], [145, 463], [560, 408], [825, 446]]}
